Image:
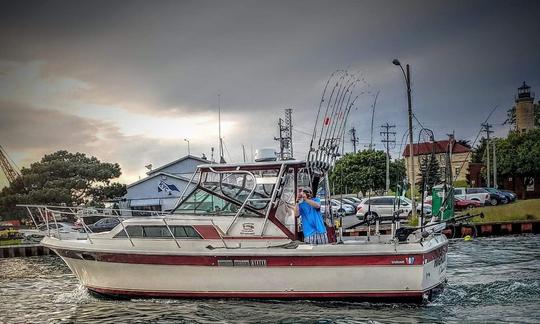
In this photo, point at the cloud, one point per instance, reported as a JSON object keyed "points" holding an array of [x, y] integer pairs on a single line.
{"points": [[129, 80]]}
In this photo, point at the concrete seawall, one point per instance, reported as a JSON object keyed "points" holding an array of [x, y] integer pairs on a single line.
{"points": [[24, 250]]}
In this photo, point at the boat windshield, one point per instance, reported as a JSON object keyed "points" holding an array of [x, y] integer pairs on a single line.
{"points": [[201, 201], [224, 193]]}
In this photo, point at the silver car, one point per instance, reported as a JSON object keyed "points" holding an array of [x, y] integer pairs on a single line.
{"points": [[338, 207], [384, 207]]}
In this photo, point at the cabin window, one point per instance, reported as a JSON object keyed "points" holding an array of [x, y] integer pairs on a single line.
{"points": [[185, 231], [156, 231], [136, 231]]}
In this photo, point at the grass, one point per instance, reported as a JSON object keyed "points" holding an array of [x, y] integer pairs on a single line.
{"points": [[520, 210]]}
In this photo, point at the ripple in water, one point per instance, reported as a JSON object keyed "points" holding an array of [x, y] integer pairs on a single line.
{"points": [[490, 280]]}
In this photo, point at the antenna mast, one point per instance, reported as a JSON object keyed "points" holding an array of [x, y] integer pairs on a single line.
{"points": [[285, 136], [221, 158]]}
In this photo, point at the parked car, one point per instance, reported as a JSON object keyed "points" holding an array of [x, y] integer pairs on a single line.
{"points": [[509, 194], [459, 203], [337, 207], [104, 224], [477, 194], [62, 229], [384, 207], [496, 197], [351, 202]]}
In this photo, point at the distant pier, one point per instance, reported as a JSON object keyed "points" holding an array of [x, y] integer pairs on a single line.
{"points": [[23, 250]]}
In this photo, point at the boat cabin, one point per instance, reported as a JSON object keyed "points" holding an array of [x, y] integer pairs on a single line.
{"points": [[254, 199]]}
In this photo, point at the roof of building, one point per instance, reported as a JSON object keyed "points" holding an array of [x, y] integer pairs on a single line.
{"points": [[155, 175], [440, 147], [187, 157]]}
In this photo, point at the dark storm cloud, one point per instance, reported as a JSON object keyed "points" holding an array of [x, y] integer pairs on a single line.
{"points": [[24, 127], [171, 57]]}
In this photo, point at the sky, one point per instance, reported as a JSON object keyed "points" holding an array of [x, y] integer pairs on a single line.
{"points": [[131, 81]]}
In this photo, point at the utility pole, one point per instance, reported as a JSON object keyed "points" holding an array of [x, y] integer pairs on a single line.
{"points": [[494, 167], [244, 152], [387, 141], [285, 136], [354, 139], [372, 118], [487, 128]]}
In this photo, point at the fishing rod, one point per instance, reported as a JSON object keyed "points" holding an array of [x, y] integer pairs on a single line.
{"points": [[425, 174], [320, 106]]}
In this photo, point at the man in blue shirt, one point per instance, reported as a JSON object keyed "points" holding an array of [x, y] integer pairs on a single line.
{"points": [[308, 207]]}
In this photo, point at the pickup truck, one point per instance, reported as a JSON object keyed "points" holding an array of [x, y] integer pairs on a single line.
{"points": [[477, 194]]}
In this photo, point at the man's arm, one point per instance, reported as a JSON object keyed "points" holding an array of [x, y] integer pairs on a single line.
{"points": [[313, 203]]}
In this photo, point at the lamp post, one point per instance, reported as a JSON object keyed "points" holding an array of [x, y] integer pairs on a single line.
{"points": [[407, 76], [188, 150]]}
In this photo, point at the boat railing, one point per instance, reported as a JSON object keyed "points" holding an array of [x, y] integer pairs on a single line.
{"points": [[48, 215]]}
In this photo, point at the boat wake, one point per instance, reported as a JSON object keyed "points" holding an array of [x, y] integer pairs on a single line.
{"points": [[492, 293], [80, 295]]}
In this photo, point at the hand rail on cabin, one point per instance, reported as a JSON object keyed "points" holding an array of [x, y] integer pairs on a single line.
{"points": [[171, 232], [181, 199], [272, 198]]}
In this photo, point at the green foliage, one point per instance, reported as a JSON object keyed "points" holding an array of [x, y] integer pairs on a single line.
{"points": [[397, 172], [460, 183], [365, 170], [62, 178], [429, 173], [518, 155], [479, 152]]}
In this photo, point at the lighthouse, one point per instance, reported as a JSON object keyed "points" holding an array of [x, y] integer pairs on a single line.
{"points": [[524, 109]]}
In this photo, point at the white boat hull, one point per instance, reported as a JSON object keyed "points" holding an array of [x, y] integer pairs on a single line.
{"points": [[398, 276]]}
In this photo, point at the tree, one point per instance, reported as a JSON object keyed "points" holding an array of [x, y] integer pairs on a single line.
{"points": [[62, 178], [465, 143], [363, 171], [397, 173], [517, 155], [479, 152], [429, 173], [359, 172]]}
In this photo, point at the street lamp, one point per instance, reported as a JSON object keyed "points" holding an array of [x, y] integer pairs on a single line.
{"points": [[188, 150], [407, 76]]}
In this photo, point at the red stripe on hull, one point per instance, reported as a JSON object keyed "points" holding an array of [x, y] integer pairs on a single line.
{"points": [[275, 295], [270, 261]]}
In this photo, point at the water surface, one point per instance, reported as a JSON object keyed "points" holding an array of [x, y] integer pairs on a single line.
{"points": [[489, 280]]}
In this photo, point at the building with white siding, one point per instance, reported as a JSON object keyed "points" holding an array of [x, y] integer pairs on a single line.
{"points": [[163, 186]]}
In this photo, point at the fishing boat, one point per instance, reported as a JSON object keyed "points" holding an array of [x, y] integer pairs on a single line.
{"points": [[236, 235]]}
